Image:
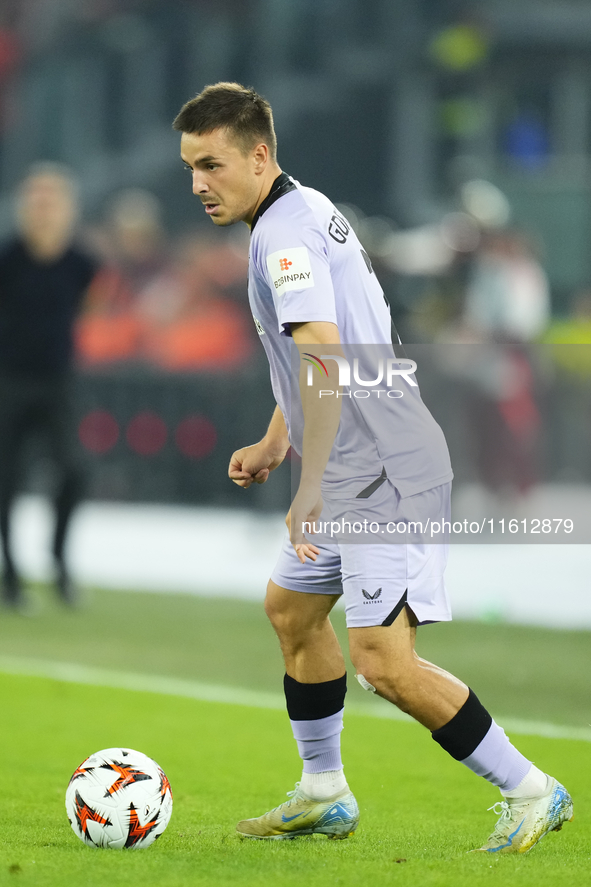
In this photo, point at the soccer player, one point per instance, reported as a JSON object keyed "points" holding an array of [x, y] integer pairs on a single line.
{"points": [[312, 289]]}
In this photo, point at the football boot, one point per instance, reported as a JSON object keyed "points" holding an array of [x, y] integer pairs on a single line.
{"points": [[524, 821], [336, 817]]}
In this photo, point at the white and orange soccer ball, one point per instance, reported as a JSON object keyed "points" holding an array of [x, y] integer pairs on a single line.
{"points": [[119, 798]]}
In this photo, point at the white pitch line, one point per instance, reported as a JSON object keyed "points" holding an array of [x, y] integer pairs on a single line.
{"points": [[122, 680]]}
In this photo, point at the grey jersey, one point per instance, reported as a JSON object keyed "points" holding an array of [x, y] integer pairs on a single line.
{"points": [[306, 264]]}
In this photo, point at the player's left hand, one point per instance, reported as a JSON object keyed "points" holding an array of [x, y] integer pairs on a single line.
{"points": [[305, 508]]}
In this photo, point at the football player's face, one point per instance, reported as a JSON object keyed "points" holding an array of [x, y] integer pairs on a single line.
{"points": [[225, 179]]}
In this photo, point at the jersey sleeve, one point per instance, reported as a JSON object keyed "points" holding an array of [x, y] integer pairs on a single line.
{"points": [[294, 262]]}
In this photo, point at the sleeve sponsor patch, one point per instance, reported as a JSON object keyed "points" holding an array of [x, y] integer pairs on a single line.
{"points": [[290, 269]]}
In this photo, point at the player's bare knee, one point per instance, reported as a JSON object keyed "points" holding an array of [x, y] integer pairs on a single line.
{"points": [[388, 687], [391, 679], [370, 675], [379, 683]]}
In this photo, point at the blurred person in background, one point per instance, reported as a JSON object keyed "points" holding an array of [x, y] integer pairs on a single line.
{"points": [[134, 247], [187, 313], [507, 294], [172, 306], [507, 301], [43, 280]]}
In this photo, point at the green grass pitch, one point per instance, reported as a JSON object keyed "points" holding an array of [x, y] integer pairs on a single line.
{"points": [[421, 811]]}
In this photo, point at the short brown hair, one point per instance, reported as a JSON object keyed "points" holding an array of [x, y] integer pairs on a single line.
{"points": [[237, 108]]}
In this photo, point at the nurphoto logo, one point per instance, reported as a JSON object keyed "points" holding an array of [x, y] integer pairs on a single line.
{"points": [[387, 371]]}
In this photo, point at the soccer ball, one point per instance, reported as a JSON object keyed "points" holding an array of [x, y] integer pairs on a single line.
{"points": [[119, 798]]}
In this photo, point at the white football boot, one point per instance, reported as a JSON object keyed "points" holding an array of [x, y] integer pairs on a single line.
{"points": [[524, 821], [336, 817]]}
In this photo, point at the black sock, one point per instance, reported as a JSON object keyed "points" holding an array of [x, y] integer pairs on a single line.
{"points": [[309, 702], [466, 730]]}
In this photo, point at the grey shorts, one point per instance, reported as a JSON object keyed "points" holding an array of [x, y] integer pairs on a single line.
{"points": [[377, 580]]}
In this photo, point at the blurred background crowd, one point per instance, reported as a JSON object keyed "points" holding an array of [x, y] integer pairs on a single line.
{"points": [[454, 136]]}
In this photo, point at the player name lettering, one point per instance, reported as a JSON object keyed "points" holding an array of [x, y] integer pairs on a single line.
{"points": [[287, 278], [339, 228]]}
